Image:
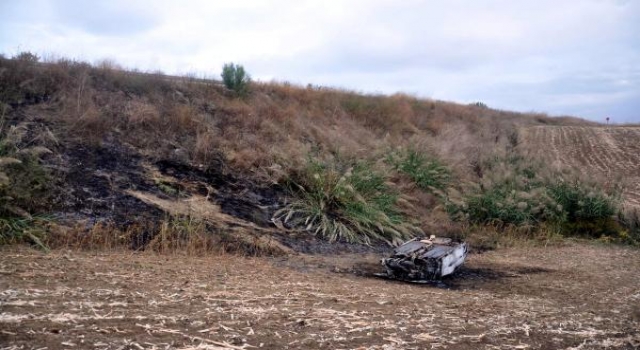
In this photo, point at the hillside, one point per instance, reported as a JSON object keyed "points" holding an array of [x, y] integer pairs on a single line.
{"points": [[158, 160], [144, 211]]}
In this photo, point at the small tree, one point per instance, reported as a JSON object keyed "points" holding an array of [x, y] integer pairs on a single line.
{"points": [[236, 78]]}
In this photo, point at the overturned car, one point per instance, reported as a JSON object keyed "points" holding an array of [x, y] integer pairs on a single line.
{"points": [[422, 260]]}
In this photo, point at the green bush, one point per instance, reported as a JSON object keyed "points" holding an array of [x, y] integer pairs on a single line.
{"points": [[581, 202], [235, 78], [23, 186], [349, 202], [510, 193], [514, 192], [428, 173]]}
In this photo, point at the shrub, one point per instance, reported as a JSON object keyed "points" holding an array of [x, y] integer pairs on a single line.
{"points": [[27, 57], [513, 192], [22, 182], [24, 80], [428, 173], [588, 211], [581, 202], [349, 202], [235, 78], [510, 193]]}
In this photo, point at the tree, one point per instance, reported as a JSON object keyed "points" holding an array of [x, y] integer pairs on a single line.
{"points": [[235, 78]]}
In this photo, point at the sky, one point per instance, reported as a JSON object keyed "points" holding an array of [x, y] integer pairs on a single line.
{"points": [[561, 57]]}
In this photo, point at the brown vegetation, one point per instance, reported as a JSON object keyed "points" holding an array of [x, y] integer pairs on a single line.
{"points": [[610, 154], [112, 162], [105, 117], [278, 124]]}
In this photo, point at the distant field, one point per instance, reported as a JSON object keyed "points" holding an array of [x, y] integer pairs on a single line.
{"points": [[611, 152]]}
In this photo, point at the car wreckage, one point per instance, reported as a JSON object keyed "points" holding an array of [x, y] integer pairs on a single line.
{"points": [[425, 260]]}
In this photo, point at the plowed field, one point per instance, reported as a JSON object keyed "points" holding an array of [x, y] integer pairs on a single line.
{"points": [[612, 153], [571, 297]]}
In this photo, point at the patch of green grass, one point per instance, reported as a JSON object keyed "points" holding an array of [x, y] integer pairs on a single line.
{"points": [[582, 202], [22, 229], [23, 183], [169, 188], [519, 193], [349, 202], [427, 172]]}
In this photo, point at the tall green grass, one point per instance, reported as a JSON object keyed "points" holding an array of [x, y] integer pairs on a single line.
{"points": [[427, 172], [349, 202], [582, 201], [15, 229], [22, 182], [518, 192]]}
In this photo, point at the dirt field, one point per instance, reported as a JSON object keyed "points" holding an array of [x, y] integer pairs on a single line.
{"points": [[612, 152], [576, 296]]}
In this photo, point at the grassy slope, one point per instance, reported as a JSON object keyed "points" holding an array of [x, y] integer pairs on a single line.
{"points": [[265, 138]]}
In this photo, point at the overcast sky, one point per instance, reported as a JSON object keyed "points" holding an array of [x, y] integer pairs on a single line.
{"points": [[563, 57]]}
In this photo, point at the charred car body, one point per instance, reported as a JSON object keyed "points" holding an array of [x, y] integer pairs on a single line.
{"points": [[425, 259]]}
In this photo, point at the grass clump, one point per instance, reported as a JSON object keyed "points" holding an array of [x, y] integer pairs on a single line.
{"points": [[15, 229], [509, 193], [581, 202], [517, 192], [183, 233], [428, 173], [22, 182], [348, 202]]}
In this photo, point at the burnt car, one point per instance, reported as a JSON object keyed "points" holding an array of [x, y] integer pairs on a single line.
{"points": [[427, 259]]}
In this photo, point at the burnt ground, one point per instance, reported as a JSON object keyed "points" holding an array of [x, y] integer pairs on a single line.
{"points": [[110, 183], [575, 296], [95, 180]]}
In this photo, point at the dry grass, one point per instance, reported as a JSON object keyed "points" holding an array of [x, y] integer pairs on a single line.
{"points": [[270, 134], [518, 298], [530, 294], [278, 124], [184, 236]]}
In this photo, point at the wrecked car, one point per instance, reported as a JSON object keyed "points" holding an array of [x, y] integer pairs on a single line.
{"points": [[422, 260]]}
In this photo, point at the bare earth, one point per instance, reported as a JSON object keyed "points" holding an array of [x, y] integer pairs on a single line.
{"points": [[611, 152], [575, 296]]}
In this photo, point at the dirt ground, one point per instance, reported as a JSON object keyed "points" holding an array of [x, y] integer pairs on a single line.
{"points": [[575, 296]]}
